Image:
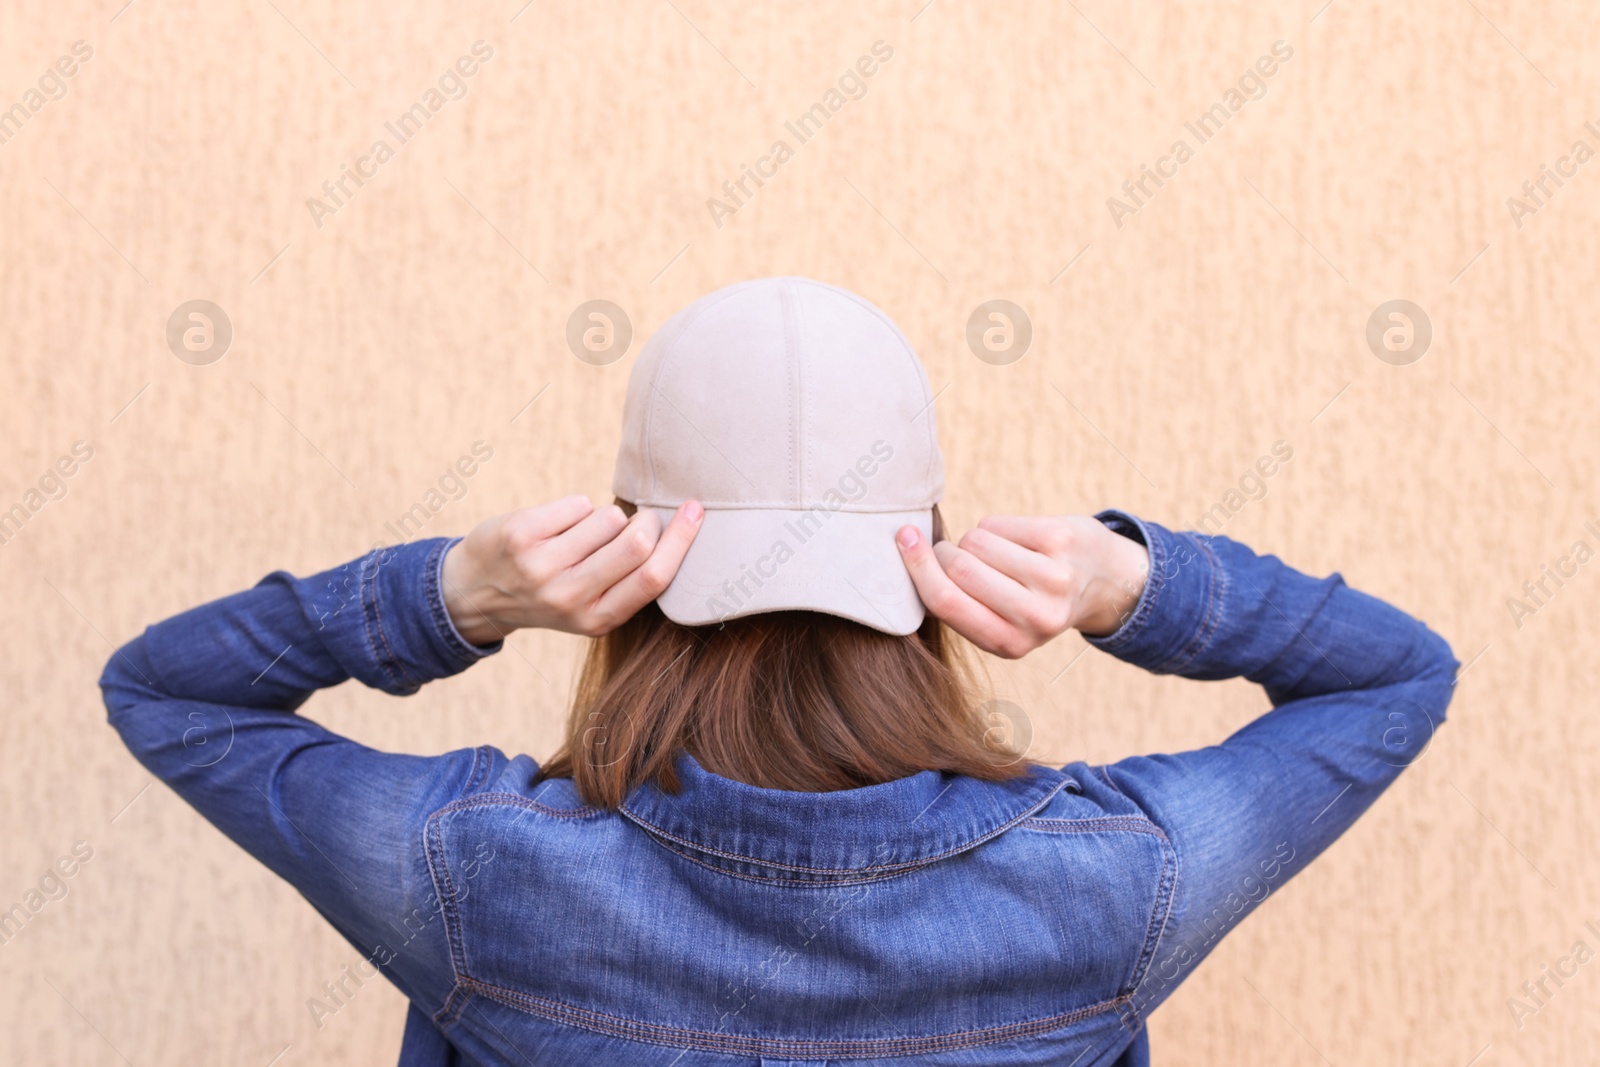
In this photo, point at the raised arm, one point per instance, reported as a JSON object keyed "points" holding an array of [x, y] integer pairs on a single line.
{"points": [[1357, 689], [206, 701]]}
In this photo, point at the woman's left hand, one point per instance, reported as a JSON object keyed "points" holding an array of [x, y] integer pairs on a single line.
{"points": [[1018, 581]]}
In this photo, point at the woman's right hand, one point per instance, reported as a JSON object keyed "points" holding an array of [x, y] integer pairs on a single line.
{"points": [[1017, 581], [563, 566]]}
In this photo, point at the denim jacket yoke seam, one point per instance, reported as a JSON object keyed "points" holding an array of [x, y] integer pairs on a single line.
{"points": [[945, 853], [715, 1041]]}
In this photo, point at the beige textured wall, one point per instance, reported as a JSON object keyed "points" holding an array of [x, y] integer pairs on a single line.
{"points": [[1227, 313]]}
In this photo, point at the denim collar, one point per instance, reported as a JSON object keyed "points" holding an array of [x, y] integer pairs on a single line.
{"points": [[851, 833]]}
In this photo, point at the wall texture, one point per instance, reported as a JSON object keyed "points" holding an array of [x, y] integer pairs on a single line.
{"points": [[1177, 336]]}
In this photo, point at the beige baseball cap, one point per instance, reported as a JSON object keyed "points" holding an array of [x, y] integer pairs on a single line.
{"points": [[799, 416]]}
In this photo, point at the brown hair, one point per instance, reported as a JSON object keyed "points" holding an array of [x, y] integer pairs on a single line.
{"points": [[792, 700]]}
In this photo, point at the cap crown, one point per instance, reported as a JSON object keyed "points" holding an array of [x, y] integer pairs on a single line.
{"points": [[780, 393]]}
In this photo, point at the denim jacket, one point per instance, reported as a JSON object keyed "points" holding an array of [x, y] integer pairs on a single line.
{"points": [[936, 919]]}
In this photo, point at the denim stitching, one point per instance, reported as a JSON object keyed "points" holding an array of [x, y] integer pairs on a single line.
{"points": [[652, 828], [799, 883], [438, 868], [712, 1041], [1129, 823], [1162, 908], [366, 628], [1152, 936], [454, 1005], [617, 1026], [390, 663], [375, 635], [1216, 595], [1213, 620], [513, 800], [1133, 992], [455, 1002], [1156, 576], [481, 758], [1155, 582], [656, 831], [464, 652], [433, 597]]}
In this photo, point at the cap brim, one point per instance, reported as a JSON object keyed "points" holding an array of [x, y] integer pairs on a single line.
{"points": [[845, 563]]}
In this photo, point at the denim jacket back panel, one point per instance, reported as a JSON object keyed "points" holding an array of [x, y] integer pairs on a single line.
{"points": [[937, 917]]}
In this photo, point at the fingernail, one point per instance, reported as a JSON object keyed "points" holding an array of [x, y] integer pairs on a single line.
{"points": [[908, 537], [693, 511]]}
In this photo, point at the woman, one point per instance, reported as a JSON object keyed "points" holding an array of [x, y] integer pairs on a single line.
{"points": [[778, 831]]}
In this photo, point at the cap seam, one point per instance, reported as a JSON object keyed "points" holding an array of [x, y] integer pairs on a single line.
{"points": [[658, 385], [789, 308], [905, 347], [786, 505]]}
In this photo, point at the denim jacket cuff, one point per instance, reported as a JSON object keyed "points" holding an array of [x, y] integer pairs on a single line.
{"points": [[383, 617], [1177, 613], [455, 645]]}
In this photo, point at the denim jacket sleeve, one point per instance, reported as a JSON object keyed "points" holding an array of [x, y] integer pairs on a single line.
{"points": [[206, 701], [1357, 688]]}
